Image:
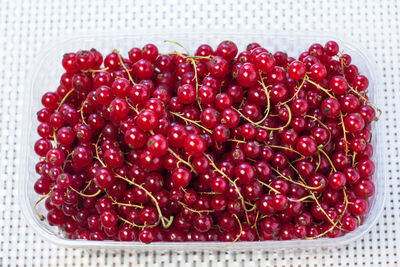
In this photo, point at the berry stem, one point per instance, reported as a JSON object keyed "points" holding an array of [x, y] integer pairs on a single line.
{"points": [[301, 199], [131, 106], [346, 146], [65, 98], [295, 182], [319, 163], [41, 217], [182, 160], [232, 182], [124, 204], [193, 210], [97, 151], [123, 65], [297, 92], [268, 102], [369, 102], [165, 222], [322, 124], [83, 194], [265, 127], [94, 71], [320, 87], [178, 44], [193, 62], [240, 229], [191, 121], [353, 159], [81, 111], [136, 225], [268, 186], [87, 185], [327, 157], [286, 148]]}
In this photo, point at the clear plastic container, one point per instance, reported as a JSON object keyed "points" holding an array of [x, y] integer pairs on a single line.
{"points": [[44, 76]]}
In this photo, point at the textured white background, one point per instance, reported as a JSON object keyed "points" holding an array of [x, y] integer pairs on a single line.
{"points": [[25, 26]]}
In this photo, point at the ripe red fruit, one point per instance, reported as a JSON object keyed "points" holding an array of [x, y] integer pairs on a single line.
{"points": [[297, 70], [245, 172], [147, 120], [306, 146], [220, 146], [157, 145], [318, 72], [337, 180], [247, 75], [227, 50], [360, 83], [104, 178], [218, 67], [354, 122], [195, 145], [338, 85], [331, 48], [265, 62], [181, 177], [330, 107], [143, 69]]}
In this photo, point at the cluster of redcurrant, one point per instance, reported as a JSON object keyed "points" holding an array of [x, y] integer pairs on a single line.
{"points": [[215, 146]]}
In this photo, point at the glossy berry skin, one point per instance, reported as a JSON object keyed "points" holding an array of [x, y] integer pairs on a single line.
{"points": [[225, 145], [150, 52], [55, 157], [181, 177], [113, 158], [194, 145], [121, 87], [69, 63], [364, 188], [147, 120], [330, 107], [358, 207], [218, 67], [202, 222], [366, 168], [338, 85], [354, 122], [265, 62], [331, 48], [135, 137], [318, 72], [221, 133], [85, 60], [245, 173], [337, 180], [118, 109], [143, 69], [299, 106], [42, 146], [104, 178], [146, 235], [227, 50], [108, 219], [157, 145], [360, 83], [306, 146], [297, 70], [247, 75], [55, 217]]}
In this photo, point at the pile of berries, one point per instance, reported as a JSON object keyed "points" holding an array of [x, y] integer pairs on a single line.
{"points": [[215, 146]]}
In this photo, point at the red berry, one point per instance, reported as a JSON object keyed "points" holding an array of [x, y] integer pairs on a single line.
{"points": [[247, 75], [297, 70]]}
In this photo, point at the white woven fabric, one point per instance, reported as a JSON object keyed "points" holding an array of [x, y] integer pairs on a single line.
{"points": [[26, 26]]}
